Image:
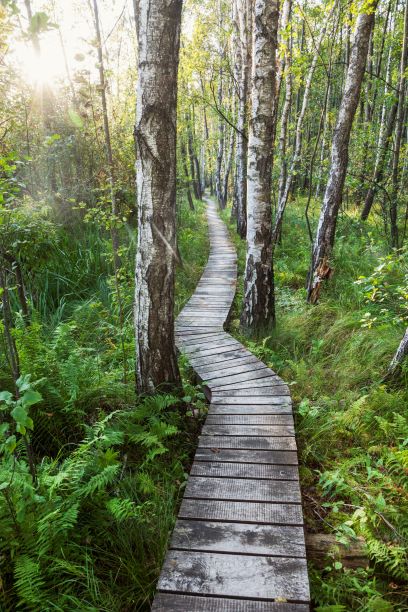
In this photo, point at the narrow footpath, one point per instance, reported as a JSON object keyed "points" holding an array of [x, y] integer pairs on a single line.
{"points": [[238, 544]]}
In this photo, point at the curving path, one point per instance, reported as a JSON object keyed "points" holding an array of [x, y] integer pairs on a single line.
{"points": [[238, 544]]}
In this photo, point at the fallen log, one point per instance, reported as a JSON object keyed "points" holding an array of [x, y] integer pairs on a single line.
{"points": [[322, 548]]}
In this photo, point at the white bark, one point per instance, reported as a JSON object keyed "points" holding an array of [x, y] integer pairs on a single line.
{"points": [[400, 354], [299, 133], [322, 248], [259, 303], [242, 21], [155, 135]]}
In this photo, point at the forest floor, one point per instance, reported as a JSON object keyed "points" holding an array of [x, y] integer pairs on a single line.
{"points": [[352, 428], [111, 466]]}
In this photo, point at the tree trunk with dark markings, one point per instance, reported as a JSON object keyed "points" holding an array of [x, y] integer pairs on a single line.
{"points": [[155, 135], [259, 298], [324, 241]]}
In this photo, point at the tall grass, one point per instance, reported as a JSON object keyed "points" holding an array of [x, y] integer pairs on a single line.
{"points": [[352, 430]]}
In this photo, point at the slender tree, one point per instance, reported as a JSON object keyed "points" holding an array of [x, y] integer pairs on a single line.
{"points": [[400, 355], [259, 299], [159, 24], [284, 194], [385, 133], [399, 128], [326, 229], [243, 16]]}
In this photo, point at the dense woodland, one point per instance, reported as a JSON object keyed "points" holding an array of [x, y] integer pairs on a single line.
{"points": [[292, 115]]}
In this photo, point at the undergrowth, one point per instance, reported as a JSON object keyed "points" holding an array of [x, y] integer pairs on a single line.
{"points": [[90, 474], [352, 428]]}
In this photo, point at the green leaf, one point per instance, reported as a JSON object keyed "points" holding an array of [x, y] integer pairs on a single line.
{"points": [[6, 396], [11, 443], [23, 383], [31, 397], [21, 429]]}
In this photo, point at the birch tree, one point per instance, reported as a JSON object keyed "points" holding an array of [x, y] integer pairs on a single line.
{"points": [[259, 299], [284, 193], [400, 355], [155, 135], [242, 24], [399, 128], [325, 234]]}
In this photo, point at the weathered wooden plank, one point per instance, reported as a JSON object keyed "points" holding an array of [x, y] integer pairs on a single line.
{"points": [[175, 602], [242, 512], [274, 457], [249, 419], [248, 430], [242, 538], [201, 487], [204, 341], [259, 471], [255, 400], [261, 383], [222, 346], [191, 337], [246, 359], [248, 442], [249, 375], [280, 408], [271, 388], [235, 575], [219, 373], [230, 355], [196, 329]]}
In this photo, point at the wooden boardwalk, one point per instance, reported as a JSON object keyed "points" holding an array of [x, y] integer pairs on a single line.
{"points": [[238, 544]]}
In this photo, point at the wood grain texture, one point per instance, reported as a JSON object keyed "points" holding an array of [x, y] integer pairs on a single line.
{"points": [[238, 544], [200, 487], [241, 512], [248, 442], [173, 602], [235, 575], [271, 457], [244, 470], [239, 538], [248, 430]]}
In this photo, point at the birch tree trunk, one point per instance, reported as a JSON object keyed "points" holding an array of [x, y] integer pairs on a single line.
{"points": [[259, 299], [283, 136], [324, 241], [400, 354], [243, 20], [399, 128], [298, 137], [386, 129], [228, 166], [221, 138], [155, 136]]}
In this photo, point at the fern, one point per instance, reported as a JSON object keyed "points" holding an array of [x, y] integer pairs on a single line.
{"points": [[29, 581]]}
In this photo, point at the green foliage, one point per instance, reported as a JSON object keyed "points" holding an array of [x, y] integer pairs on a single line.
{"points": [[87, 529], [386, 290], [55, 529], [352, 430]]}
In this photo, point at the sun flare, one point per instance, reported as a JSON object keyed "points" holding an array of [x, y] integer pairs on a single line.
{"points": [[40, 69]]}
